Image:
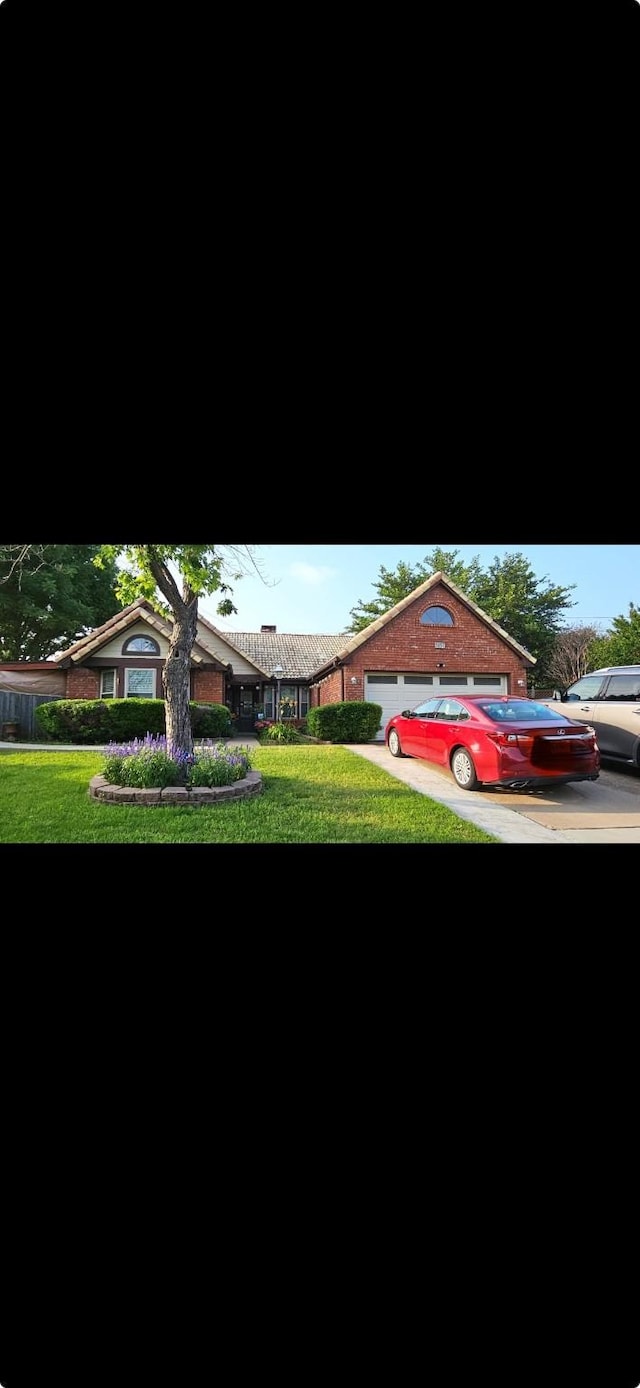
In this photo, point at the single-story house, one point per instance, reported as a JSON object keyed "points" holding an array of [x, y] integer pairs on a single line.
{"points": [[434, 639]]}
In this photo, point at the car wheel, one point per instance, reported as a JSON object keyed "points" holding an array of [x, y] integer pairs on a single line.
{"points": [[463, 769], [394, 744]]}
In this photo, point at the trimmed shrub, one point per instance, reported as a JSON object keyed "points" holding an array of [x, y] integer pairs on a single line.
{"points": [[91, 721], [83, 721], [350, 721], [210, 721]]}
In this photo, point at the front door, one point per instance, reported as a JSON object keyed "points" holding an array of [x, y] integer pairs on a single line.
{"points": [[246, 711]]}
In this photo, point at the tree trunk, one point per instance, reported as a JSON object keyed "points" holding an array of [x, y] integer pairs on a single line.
{"points": [[176, 678]]}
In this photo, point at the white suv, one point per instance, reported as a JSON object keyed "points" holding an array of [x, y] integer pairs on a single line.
{"points": [[609, 699]]}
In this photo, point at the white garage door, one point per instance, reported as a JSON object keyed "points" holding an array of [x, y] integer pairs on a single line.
{"points": [[395, 692]]}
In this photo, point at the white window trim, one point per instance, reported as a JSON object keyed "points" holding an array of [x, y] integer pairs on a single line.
{"points": [[139, 670]]}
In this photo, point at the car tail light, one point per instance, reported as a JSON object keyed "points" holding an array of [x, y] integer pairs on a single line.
{"points": [[506, 739]]}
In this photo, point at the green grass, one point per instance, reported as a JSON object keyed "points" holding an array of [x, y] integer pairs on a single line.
{"points": [[311, 794]]}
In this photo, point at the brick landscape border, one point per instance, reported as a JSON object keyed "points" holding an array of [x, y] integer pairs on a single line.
{"points": [[99, 789]]}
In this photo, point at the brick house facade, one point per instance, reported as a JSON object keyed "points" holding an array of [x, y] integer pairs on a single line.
{"points": [[436, 638]]}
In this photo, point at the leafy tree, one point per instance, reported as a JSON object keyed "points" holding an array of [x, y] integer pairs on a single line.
{"points": [[394, 585], [529, 612], [172, 578], [50, 595], [621, 645], [508, 592]]}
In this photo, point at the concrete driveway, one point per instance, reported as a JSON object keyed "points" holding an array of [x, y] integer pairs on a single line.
{"points": [[587, 812]]}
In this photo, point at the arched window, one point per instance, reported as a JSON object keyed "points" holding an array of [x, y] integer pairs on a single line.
{"points": [[145, 645], [436, 617]]}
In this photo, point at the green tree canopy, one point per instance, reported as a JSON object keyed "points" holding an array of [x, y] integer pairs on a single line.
{"points": [[621, 645], [395, 584], [173, 577], [50, 595]]}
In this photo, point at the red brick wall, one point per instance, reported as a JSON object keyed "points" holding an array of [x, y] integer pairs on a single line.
{"points": [[405, 645], [208, 686], [83, 683], [329, 692]]}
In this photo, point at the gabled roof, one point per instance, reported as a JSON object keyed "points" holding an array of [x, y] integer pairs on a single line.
{"points": [[125, 618], [302, 657], [299, 656], [438, 578], [231, 641]]}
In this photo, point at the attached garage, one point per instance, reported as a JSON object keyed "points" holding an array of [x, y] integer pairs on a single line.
{"points": [[395, 692], [434, 642]]}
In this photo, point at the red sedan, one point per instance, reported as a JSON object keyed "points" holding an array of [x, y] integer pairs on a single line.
{"points": [[497, 740]]}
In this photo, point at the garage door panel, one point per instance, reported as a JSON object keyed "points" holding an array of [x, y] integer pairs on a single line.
{"points": [[399, 691]]}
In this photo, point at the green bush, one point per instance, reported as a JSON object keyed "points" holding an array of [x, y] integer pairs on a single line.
{"points": [[352, 721], [210, 720], [280, 732], [131, 718], [90, 721], [83, 721]]}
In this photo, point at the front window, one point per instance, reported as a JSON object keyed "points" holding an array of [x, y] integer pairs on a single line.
{"points": [[108, 684], [288, 701], [140, 684]]}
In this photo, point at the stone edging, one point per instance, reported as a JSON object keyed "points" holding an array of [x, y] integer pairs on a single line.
{"points": [[99, 789]]}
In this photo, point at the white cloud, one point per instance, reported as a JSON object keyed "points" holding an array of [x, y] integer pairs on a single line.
{"points": [[311, 573]]}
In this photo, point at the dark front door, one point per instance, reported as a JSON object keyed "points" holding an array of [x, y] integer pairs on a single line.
{"points": [[246, 710]]}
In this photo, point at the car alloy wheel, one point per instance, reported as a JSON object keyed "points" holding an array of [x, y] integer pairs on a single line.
{"points": [[464, 772], [394, 744]]}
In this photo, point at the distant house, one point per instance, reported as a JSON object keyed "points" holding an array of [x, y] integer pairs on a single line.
{"points": [[435, 639]]}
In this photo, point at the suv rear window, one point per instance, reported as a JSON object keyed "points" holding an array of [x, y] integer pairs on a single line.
{"points": [[623, 687]]}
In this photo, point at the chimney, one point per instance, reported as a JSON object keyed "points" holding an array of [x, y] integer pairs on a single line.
{"points": [[267, 628]]}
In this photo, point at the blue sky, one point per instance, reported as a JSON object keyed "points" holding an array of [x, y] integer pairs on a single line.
{"points": [[312, 588]]}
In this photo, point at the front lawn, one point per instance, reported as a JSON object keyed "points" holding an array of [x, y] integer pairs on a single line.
{"points": [[312, 794]]}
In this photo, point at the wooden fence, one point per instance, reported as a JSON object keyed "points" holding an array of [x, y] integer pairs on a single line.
{"points": [[21, 709]]}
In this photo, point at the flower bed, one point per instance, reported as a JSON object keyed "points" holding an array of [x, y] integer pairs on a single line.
{"points": [[100, 789], [143, 772]]}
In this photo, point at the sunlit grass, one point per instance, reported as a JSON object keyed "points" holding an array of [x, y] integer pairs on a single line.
{"points": [[310, 795]]}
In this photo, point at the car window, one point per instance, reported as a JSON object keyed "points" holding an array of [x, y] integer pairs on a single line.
{"points": [[623, 687], [586, 688], [428, 709], [521, 711], [452, 711]]}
